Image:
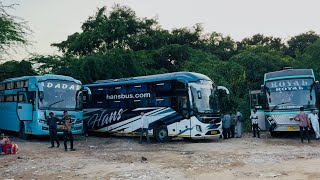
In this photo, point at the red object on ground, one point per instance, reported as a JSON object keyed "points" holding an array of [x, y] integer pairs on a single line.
{"points": [[14, 149], [6, 148]]}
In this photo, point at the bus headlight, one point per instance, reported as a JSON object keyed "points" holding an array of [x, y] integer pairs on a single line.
{"points": [[198, 128]]}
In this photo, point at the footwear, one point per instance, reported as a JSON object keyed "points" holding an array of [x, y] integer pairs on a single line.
{"points": [[72, 149], [65, 150], [58, 145], [51, 147]]}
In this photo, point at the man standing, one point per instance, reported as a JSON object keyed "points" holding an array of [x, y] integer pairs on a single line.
{"points": [[226, 123], [240, 121], [67, 131], [255, 123], [303, 123], [144, 127], [233, 124], [52, 123], [313, 117]]}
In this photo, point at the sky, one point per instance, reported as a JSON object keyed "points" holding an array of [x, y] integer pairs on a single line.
{"points": [[53, 20]]}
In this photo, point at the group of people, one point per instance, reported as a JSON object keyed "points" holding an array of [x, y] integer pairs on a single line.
{"points": [[53, 122], [232, 125], [306, 122]]}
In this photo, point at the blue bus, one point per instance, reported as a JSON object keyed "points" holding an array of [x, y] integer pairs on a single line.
{"points": [[25, 101], [281, 96], [182, 104]]}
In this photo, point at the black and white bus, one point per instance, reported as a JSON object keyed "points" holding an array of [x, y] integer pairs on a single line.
{"points": [[183, 104]]}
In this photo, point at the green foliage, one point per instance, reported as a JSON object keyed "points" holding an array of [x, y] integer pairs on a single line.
{"points": [[15, 69], [12, 30], [297, 44]]}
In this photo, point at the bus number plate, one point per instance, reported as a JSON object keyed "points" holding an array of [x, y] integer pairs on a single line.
{"points": [[290, 128], [214, 132], [60, 127]]}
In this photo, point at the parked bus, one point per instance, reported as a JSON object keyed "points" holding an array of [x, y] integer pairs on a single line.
{"points": [[281, 96], [180, 104], [25, 101]]}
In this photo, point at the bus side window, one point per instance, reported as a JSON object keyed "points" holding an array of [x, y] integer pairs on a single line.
{"points": [[99, 95], [118, 104], [85, 96], [1, 98], [31, 99], [21, 98]]}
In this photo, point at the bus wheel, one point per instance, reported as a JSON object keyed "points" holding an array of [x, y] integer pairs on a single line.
{"points": [[162, 134], [22, 132]]}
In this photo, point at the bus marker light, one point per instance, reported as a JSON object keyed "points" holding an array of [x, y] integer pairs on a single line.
{"points": [[290, 128]]}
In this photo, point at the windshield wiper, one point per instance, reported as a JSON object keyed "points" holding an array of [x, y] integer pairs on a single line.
{"points": [[279, 104], [54, 103]]}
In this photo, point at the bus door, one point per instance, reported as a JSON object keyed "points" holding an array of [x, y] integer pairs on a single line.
{"points": [[24, 108], [257, 102], [184, 126]]}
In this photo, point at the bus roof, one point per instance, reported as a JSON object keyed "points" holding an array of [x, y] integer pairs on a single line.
{"points": [[186, 76], [43, 77], [289, 73]]}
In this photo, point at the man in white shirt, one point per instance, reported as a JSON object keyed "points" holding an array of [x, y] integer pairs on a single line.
{"points": [[255, 123], [313, 117], [144, 127]]}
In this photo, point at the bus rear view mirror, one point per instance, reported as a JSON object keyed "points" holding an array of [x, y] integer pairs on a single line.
{"points": [[262, 88], [89, 94], [226, 90], [317, 86]]}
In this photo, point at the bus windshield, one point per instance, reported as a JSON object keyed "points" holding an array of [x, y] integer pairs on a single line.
{"points": [[204, 97], [291, 93], [61, 95]]}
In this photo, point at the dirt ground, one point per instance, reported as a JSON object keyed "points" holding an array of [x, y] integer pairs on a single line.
{"points": [[121, 158]]}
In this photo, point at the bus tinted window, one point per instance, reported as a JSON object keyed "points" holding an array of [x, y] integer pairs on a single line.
{"points": [[9, 98], [136, 88], [1, 98], [21, 98], [2, 86], [163, 86], [118, 104], [162, 102], [99, 95], [9, 85]]}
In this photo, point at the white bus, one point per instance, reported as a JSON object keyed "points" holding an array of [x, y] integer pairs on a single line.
{"points": [[180, 104]]}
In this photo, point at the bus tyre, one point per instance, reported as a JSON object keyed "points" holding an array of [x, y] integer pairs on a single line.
{"points": [[22, 132], [162, 134]]}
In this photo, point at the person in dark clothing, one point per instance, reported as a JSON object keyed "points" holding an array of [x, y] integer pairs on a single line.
{"points": [[52, 123], [67, 131]]}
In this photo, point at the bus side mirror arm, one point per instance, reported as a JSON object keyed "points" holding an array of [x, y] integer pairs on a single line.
{"points": [[224, 89], [89, 93]]}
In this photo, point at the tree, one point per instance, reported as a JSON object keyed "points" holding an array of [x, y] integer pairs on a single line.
{"points": [[310, 59], [13, 30], [12, 69], [298, 44], [261, 40], [257, 61], [221, 46], [118, 29]]}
